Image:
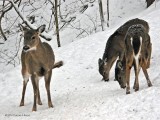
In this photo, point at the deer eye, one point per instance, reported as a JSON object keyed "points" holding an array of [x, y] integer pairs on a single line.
{"points": [[119, 78], [33, 37]]}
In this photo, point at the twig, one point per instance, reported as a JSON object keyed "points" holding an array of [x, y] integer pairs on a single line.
{"points": [[80, 29], [3, 13], [43, 35]]}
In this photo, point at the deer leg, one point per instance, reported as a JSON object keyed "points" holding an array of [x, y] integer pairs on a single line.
{"points": [[136, 70], [38, 93], [135, 78], [128, 69], [147, 76], [23, 91], [47, 85], [136, 81], [33, 79]]}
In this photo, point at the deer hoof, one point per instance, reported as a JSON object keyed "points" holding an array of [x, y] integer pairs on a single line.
{"points": [[39, 103], [136, 89], [127, 92], [50, 105], [34, 109], [21, 104], [106, 80], [150, 85]]}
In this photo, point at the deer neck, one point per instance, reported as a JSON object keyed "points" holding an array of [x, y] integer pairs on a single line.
{"points": [[39, 50]]}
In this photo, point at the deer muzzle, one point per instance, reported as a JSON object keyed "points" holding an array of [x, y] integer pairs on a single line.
{"points": [[26, 47]]}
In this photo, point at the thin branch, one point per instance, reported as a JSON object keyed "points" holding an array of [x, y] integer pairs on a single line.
{"points": [[95, 28], [51, 3], [16, 54], [31, 26], [3, 35], [50, 20], [79, 29], [2, 15], [3, 12]]}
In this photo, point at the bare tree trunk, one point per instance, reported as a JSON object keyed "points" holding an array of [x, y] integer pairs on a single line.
{"points": [[101, 13], [60, 9], [107, 13], [57, 26]]}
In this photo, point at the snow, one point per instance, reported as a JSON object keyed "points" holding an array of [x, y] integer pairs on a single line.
{"points": [[76, 88]]}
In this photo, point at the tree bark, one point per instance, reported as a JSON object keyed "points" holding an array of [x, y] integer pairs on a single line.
{"points": [[57, 26], [101, 13], [107, 13]]}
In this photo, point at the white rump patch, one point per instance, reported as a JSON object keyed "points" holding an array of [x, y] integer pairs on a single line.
{"points": [[131, 41], [136, 57]]}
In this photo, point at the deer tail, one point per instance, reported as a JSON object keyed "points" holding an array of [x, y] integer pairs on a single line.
{"points": [[58, 64]]}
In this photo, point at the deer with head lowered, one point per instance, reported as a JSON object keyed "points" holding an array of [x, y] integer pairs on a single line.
{"points": [[38, 60], [115, 47], [137, 53]]}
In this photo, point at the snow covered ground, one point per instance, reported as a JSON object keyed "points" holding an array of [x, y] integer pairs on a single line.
{"points": [[77, 90]]}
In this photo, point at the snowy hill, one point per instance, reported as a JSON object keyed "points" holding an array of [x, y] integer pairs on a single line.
{"points": [[74, 23], [76, 88]]}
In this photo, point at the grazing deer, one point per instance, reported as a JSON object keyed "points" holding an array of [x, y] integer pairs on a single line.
{"points": [[115, 47], [38, 60], [138, 54], [120, 75]]}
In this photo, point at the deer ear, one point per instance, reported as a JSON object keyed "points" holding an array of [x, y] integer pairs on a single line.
{"points": [[119, 65], [41, 28], [105, 61], [99, 61], [22, 28]]}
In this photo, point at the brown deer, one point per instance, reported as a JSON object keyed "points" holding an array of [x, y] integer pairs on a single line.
{"points": [[38, 60], [115, 47], [137, 53]]}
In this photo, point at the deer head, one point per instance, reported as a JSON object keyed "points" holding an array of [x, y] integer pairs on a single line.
{"points": [[104, 69], [120, 74], [31, 38]]}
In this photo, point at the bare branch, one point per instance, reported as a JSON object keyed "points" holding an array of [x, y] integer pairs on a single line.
{"points": [[3, 35], [31, 26], [9, 7], [94, 24], [79, 29], [3, 12]]}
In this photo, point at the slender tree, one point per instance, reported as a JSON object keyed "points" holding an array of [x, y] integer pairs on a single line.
{"points": [[56, 20], [108, 13], [101, 13]]}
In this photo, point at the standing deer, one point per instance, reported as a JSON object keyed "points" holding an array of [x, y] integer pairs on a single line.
{"points": [[38, 60], [137, 53], [115, 47]]}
